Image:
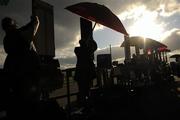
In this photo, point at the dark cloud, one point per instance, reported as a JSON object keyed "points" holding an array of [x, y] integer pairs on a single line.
{"points": [[67, 62], [64, 36], [173, 40]]}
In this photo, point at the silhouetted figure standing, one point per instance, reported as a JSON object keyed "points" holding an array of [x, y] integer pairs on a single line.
{"points": [[85, 67], [21, 66]]}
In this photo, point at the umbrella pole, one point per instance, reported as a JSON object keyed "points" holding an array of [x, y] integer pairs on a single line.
{"points": [[94, 26], [92, 30]]}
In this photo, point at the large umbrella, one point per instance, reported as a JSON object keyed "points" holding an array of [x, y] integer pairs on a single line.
{"points": [[99, 14]]}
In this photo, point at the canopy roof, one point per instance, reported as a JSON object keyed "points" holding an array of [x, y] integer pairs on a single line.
{"points": [[146, 43], [175, 56], [164, 49]]}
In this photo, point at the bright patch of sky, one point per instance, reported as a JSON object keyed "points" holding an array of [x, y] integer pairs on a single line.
{"points": [[145, 23], [106, 37]]}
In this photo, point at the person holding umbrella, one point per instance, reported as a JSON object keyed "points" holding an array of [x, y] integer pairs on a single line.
{"points": [[85, 67]]}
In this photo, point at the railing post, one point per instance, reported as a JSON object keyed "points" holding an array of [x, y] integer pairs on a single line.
{"points": [[68, 73]]}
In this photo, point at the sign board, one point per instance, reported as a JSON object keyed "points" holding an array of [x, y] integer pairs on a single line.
{"points": [[44, 39], [104, 61], [127, 48]]}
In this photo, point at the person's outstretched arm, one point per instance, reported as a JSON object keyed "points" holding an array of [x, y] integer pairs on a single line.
{"points": [[29, 30]]}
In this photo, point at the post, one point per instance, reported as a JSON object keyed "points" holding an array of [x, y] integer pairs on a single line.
{"points": [[127, 48], [44, 39], [110, 50], [166, 57], [163, 55], [68, 73], [137, 50], [86, 29]]}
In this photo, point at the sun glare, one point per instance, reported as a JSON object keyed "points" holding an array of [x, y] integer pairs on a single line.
{"points": [[146, 25]]}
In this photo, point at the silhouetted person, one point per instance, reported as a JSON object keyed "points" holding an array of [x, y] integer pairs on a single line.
{"points": [[85, 68], [21, 65]]}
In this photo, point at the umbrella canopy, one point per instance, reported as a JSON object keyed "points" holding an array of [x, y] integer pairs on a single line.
{"points": [[175, 56], [147, 43], [99, 14]]}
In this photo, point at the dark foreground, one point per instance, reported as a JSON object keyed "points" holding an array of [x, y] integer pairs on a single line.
{"points": [[158, 101]]}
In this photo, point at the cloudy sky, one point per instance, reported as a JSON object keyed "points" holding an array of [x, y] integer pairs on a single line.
{"points": [[156, 19]]}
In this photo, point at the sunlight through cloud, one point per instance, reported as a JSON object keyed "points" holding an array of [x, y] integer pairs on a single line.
{"points": [[146, 25]]}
